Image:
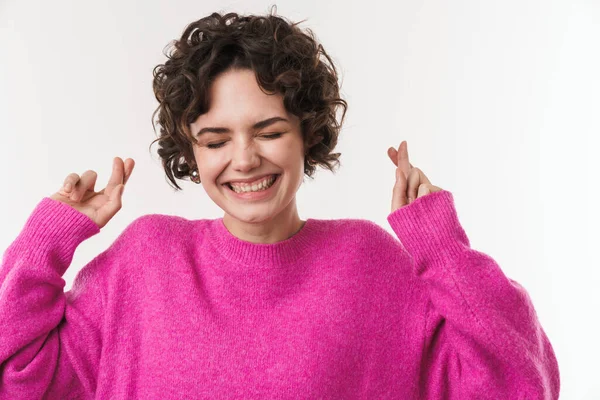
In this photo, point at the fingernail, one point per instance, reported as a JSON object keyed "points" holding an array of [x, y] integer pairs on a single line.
{"points": [[68, 187]]}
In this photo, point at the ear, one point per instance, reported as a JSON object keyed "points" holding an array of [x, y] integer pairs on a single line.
{"points": [[188, 157], [190, 163]]}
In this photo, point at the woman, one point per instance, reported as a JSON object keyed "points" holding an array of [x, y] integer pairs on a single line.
{"points": [[261, 304]]}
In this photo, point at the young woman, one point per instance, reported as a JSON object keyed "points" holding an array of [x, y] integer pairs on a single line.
{"points": [[261, 304]]}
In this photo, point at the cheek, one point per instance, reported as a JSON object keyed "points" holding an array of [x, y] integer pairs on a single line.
{"points": [[210, 166], [285, 152]]}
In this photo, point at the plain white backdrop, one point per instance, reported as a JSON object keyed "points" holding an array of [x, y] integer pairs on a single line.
{"points": [[499, 103]]}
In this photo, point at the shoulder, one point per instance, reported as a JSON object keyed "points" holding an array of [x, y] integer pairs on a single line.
{"points": [[362, 232], [369, 246], [362, 227], [146, 236], [149, 221], [156, 224], [152, 227], [143, 241]]}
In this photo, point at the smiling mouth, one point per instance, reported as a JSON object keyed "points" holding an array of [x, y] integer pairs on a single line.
{"points": [[228, 185]]}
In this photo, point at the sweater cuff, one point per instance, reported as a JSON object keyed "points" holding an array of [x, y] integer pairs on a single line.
{"points": [[429, 230], [51, 235]]}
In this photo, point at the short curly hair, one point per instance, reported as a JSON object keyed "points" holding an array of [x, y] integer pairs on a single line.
{"points": [[284, 58]]}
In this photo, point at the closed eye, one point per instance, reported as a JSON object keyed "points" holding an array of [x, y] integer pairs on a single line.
{"points": [[215, 145], [220, 144], [273, 135]]}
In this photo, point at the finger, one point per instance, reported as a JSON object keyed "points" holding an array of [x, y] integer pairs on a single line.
{"points": [[403, 162], [87, 182], [424, 189], [117, 176], [129, 164], [399, 198], [70, 182], [424, 178], [414, 180], [393, 155]]}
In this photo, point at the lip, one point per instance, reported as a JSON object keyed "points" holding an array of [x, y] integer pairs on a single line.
{"points": [[258, 178], [253, 196]]}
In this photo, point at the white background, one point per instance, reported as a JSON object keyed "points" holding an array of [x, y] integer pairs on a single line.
{"points": [[499, 103]]}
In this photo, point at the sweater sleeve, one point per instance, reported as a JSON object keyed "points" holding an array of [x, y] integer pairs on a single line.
{"points": [[50, 341], [482, 336]]}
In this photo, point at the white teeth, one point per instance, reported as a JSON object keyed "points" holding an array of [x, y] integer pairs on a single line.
{"points": [[262, 185]]}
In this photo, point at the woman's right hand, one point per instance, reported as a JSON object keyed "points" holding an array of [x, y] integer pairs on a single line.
{"points": [[78, 192]]}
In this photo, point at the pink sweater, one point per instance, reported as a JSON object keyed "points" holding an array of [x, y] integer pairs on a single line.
{"points": [[179, 308]]}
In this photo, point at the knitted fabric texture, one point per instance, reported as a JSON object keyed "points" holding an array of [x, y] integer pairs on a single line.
{"points": [[179, 308]]}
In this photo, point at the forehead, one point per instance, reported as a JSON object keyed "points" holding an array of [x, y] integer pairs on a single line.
{"points": [[236, 98]]}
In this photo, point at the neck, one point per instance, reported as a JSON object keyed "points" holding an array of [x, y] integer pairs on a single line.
{"points": [[280, 227]]}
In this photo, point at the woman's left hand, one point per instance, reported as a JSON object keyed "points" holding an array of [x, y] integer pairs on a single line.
{"points": [[411, 182]]}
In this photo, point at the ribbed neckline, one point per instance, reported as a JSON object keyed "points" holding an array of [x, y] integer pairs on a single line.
{"points": [[243, 254]]}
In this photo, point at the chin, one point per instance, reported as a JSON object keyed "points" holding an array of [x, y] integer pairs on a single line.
{"points": [[250, 216]]}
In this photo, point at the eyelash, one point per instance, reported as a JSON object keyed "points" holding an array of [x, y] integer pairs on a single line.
{"points": [[217, 145]]}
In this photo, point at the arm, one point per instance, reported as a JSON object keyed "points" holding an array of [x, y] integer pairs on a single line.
{"points": [[50, 341], [482, 336]]}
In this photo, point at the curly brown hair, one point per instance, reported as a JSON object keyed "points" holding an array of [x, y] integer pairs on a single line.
{"points": [[284, 58]]}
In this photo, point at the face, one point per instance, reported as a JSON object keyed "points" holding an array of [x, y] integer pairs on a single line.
{"points": [[248, 134]]}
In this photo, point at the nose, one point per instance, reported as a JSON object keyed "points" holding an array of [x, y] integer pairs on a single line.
{"points": [[245, 156]]}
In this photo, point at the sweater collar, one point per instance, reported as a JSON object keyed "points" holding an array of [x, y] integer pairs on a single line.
{"points": [[261, 255]]}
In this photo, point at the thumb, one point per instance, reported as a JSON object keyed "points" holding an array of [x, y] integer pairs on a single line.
{"points": [[399, 198]]}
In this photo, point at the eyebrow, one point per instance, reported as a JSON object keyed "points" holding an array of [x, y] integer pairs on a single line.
{"points": [[259, 125]]}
